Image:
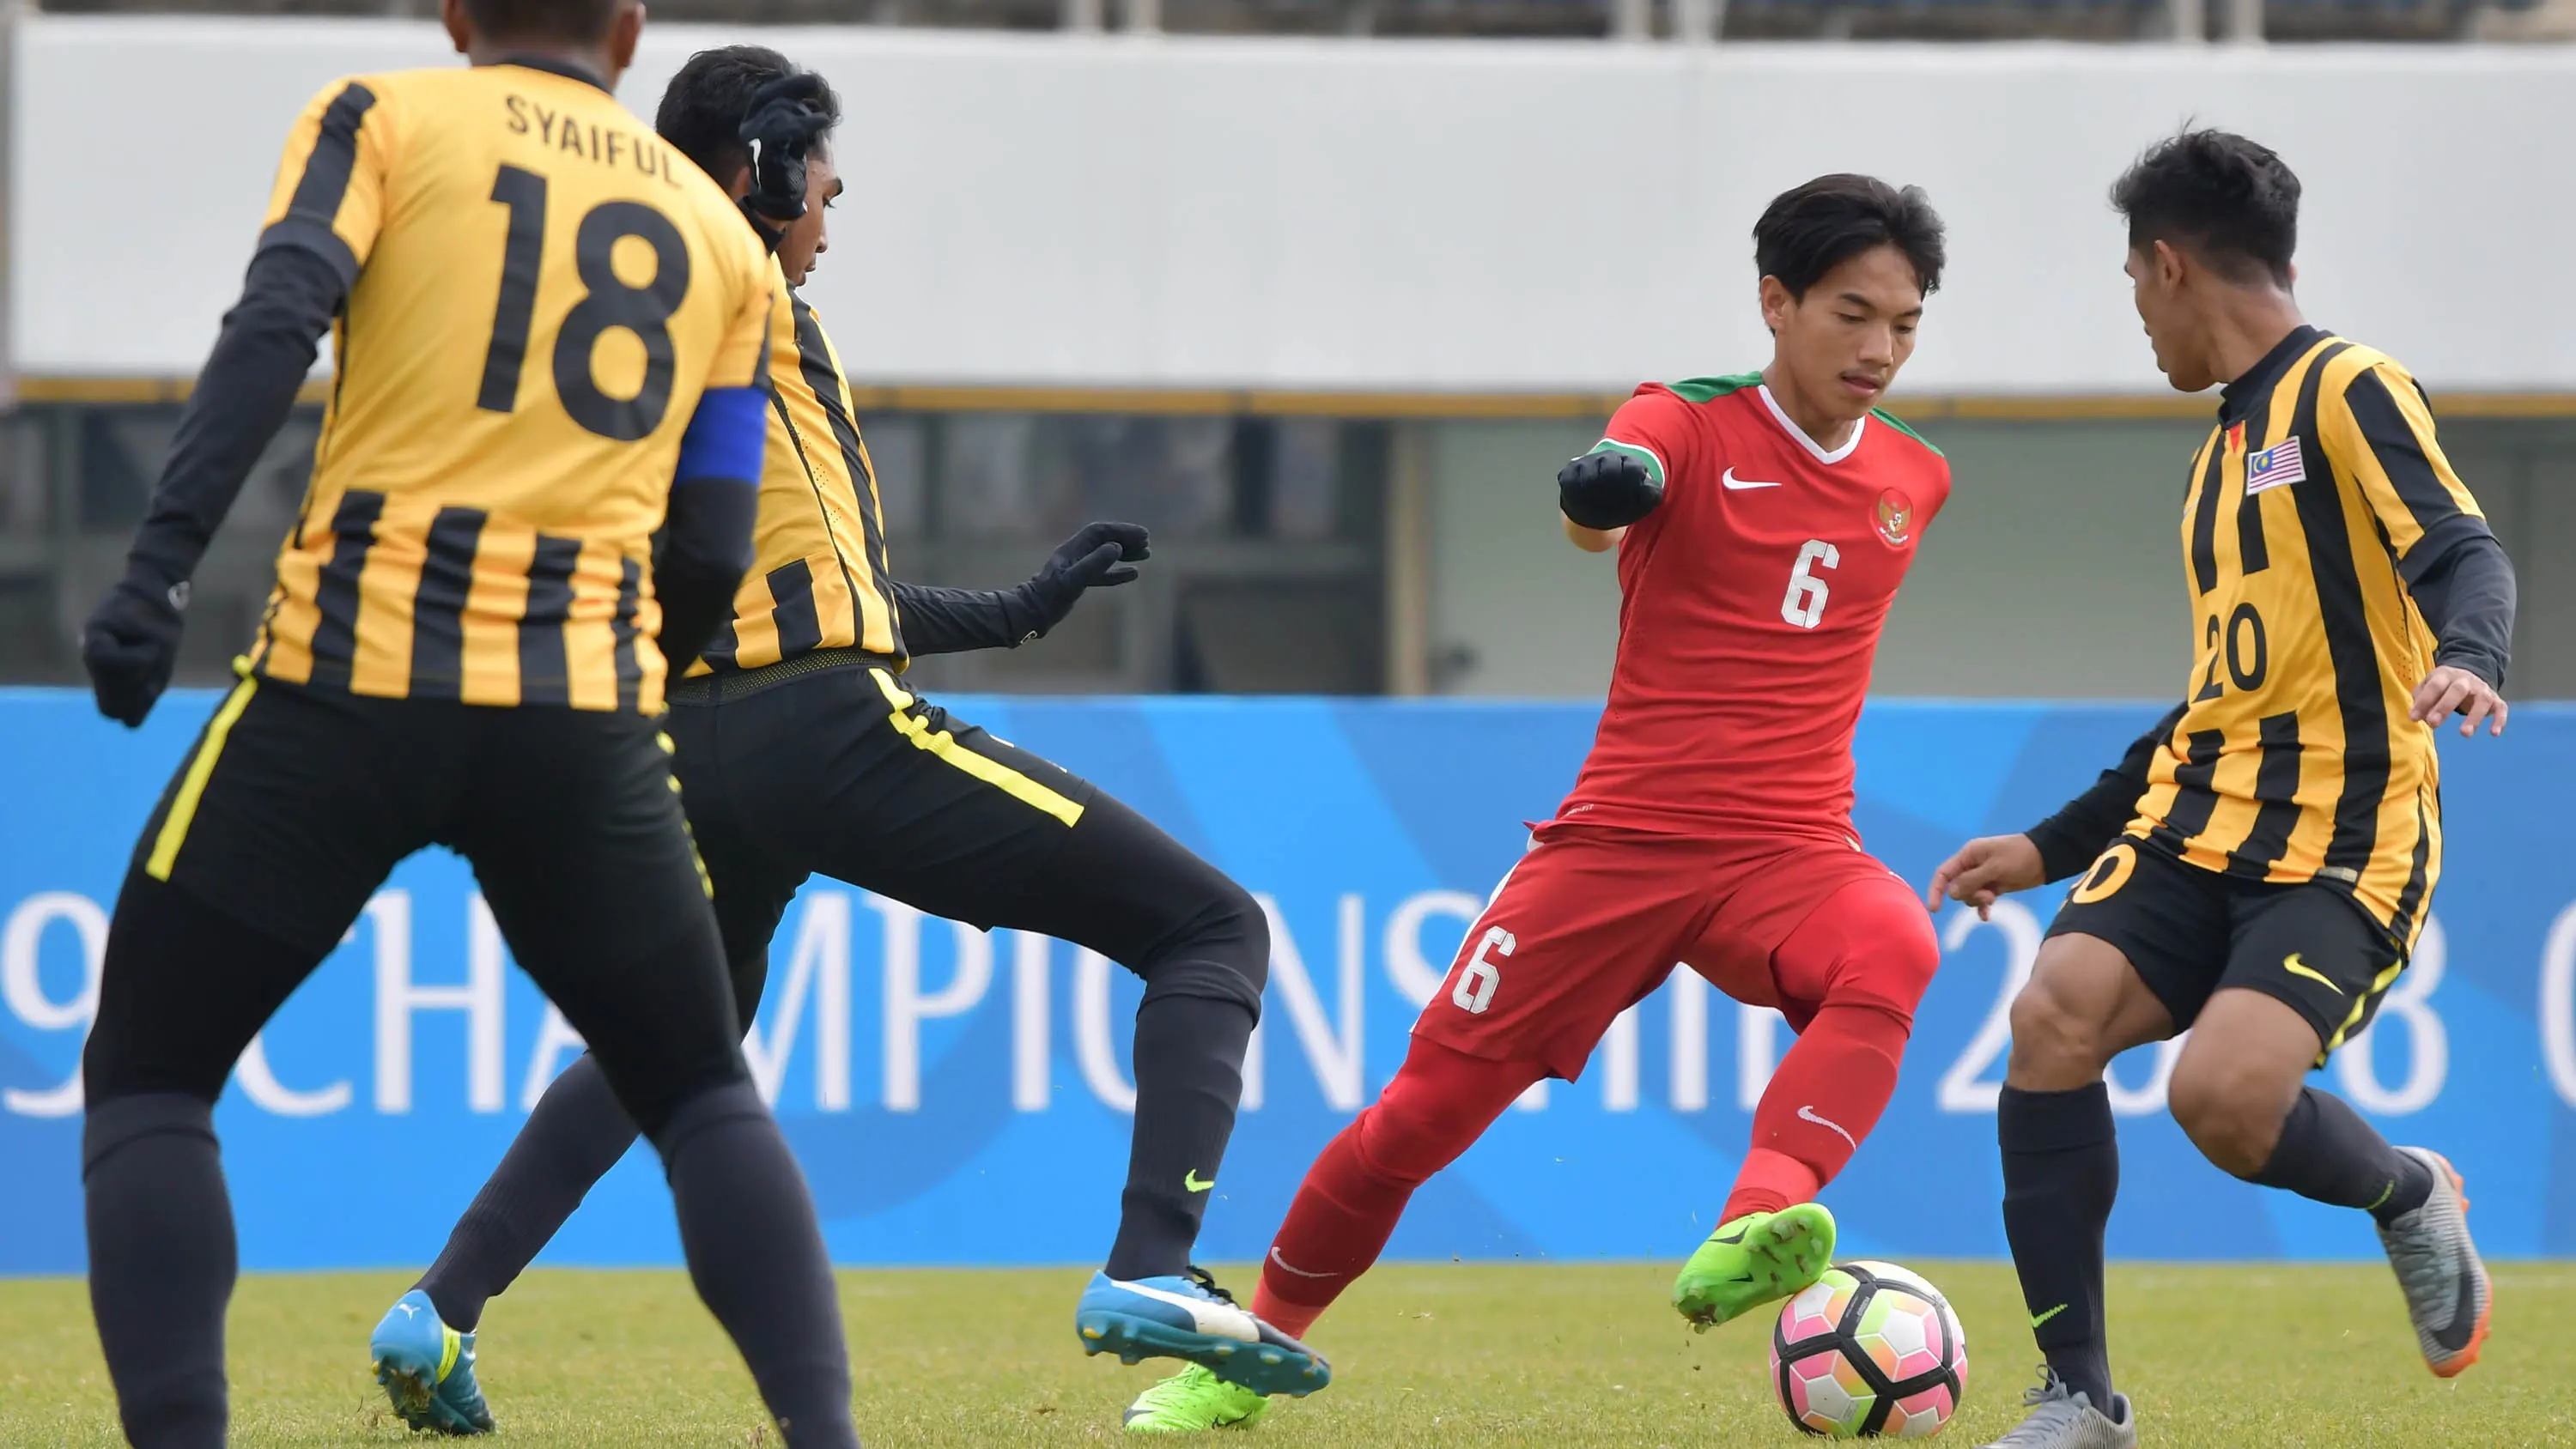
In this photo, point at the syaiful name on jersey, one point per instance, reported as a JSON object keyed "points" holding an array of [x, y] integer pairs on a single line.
{"points": [[606, 145]]}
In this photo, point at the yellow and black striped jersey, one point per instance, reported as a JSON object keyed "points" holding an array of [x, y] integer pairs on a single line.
{"points": [[540, 290], [818, 579], [2294, 758]]}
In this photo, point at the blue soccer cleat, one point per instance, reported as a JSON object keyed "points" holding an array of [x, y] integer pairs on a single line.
{"points": [[1186, 1316], [427, 1369]]}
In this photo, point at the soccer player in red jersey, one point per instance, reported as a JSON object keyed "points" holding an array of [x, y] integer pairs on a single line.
{"points": [[1763, 523]]}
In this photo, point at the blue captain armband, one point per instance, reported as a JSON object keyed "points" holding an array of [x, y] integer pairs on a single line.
{"points": [[715, 499], [726, 436]]}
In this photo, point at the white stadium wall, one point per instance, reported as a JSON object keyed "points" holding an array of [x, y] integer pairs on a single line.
{"points": [[1379, 217]]}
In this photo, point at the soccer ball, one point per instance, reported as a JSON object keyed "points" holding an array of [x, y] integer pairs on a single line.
{"points": [[1869, 1351]]}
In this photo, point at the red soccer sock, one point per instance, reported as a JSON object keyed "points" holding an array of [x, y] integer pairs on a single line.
{"points": [[1339, 1223], [1866, 954], [1822, 1101], [1769, 1181], [1437, 1106]]}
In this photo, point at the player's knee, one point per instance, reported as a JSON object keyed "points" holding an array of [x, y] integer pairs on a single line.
{"points": [[1440, 1102], [1222, 951], [654, 1100], [1405, 1138], [1395, 1149], [110, 1124], [1402, 1138], [1242, 921], [1893, 971], [2056, 1044], [696, 1112], [654, 1078], [2228, 1110]]}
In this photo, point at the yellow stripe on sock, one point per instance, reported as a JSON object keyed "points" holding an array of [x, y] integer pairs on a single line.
{"points": [[192, 787], [992, 772]]}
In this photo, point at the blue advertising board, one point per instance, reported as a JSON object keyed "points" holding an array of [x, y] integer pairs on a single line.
{"points": [[959, 1098]]}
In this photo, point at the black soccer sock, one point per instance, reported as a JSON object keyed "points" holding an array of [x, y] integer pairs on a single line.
{"points": [[756, 1254], [161, 1264], [2329, 1154], [1189, 1078], [2061, 1172], [576, 1134]]}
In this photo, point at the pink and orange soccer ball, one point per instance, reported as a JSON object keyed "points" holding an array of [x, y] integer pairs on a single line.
{"points": [[1870, 1351]]}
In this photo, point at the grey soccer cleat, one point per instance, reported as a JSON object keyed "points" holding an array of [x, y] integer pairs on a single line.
{"points": [[2448, 1293], [2061, 1418]]}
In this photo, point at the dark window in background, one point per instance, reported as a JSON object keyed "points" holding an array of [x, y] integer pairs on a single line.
{"points": [[1267, 574]]}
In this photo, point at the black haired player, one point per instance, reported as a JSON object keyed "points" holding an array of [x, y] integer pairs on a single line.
{"points": [[802, 752], [2258, 867]]}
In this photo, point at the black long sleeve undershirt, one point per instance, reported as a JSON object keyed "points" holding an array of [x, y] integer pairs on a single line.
{"points": [[953, 621], [706, 545], [260, 361], [2467, 597], [2466, 592]]}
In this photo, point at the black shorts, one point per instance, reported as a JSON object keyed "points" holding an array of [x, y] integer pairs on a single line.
{"points": [[296, 803], [2190, 932], [832, 767]]}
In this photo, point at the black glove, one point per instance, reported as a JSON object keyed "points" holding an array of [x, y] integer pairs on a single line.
{"points": [[1607, 490], [788, 116], [1099, 557], [131, 644]]}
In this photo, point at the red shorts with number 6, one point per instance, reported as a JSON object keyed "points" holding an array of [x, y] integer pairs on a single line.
{"points": [[1595, 917]]}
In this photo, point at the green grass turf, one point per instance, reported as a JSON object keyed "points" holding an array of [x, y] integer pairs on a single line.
{"points": [[1427, 1355]]}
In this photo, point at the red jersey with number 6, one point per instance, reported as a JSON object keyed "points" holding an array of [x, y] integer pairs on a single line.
{"points": [[1750, 610]]}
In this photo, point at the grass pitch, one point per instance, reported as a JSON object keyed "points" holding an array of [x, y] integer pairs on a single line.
{"points": [[1478, 1355]]}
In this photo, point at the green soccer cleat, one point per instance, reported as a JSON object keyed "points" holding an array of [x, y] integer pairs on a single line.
{"points": [[1758, 1258], [1192, 1402]]}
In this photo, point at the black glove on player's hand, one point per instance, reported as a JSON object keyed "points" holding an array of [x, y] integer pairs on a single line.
{"points": [[1101, 556], [786, 118], [1607, 490], [130, 645]]}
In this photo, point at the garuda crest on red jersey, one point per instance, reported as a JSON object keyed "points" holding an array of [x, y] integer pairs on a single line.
{"points": [[1895, 518]]}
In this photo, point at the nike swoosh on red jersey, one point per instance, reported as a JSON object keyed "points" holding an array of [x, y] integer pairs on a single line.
{"points": [[1739, 484]]}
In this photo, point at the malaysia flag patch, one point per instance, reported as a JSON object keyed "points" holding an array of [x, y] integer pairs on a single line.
{"points": [[2276, 465]]}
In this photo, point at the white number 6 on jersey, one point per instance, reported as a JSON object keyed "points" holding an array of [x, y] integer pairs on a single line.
{"points": [[1477, 980], [1805, 603]]}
